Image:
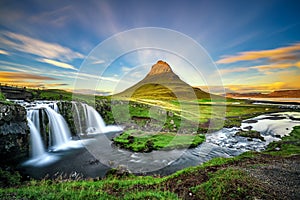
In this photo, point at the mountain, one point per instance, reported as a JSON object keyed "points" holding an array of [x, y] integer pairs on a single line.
{"points": [[162, 83], [274, 94], [285, 94]]}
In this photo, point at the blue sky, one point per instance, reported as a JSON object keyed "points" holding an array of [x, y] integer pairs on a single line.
{"points": [[255, 44]]}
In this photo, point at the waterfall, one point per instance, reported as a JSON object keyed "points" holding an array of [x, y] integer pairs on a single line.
{"points": [[92, 120], [37, 147], [77, 116], [55, 107], [34, 116], [49, 129], [58, 127]]}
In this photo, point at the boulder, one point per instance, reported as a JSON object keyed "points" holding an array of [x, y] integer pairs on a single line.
{"points": [[14, 134]]}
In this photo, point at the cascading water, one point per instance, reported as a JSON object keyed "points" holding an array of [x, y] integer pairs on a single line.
{"points": [[37, 147], [49, 130], [55, 107], [34, 116], [92, 121], [58, 127], [77, 116]]}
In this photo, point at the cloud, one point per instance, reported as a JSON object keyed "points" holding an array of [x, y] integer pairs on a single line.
{"points": [[125, 69], [263, 68], [92, 92], [267, 87], [4, 52], [57, 63], [231, 70], [11, 76], [57, 17], [24, 79], [281, 53], [37, 47], [98, 62]]}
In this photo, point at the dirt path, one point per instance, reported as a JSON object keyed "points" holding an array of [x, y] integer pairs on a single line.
{"points": [[281, 176]]}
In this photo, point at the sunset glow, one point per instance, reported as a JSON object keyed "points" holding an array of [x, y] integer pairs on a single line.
{"points": [[255, 44]]}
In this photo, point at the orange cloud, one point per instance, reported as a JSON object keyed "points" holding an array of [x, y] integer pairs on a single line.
{"points": [[274, 66], [258, 88], [282, 53], [20, 76], [24, 79]]}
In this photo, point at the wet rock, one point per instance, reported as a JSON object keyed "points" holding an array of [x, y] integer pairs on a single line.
{"points": [[120, 171], [14, 134]]}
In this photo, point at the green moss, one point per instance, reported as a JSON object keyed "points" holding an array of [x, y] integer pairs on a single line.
{"points": [[140, 141], [289, 145], [250, 134]]}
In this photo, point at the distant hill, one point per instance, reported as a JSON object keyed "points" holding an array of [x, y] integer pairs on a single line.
{"points": [[274, 94], [12, 92], [162, 83], [285, 94]]}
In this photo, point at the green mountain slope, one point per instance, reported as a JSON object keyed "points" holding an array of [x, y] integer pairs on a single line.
{"points": [[161, 83]]}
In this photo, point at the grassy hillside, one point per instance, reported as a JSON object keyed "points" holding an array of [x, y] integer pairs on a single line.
{"points": [[164, 86]]}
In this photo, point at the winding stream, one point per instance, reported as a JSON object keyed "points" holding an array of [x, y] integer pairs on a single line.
{"points": [[98, 154]]}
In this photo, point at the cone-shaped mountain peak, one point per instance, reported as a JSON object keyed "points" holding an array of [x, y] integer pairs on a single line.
{"points": [[162, 83], [159, 68]]}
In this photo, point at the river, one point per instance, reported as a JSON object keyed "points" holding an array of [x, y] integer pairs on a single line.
{"points": [[94, 156]]}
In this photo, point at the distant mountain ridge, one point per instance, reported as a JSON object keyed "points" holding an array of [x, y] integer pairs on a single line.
{"points": [[162, 83], [274, 94]]}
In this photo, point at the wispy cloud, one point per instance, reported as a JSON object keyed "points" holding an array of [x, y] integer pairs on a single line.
{"points": [[98, 62], [57, 17], [57, 63], [231, 70], [13, 76], [287, 52], [92, 92], [260, 68], [4, 52], [125, 69], [275, 66], [37, 47], [259, 88]]}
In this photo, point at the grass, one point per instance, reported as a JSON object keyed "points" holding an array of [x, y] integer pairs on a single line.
{"points": [[289, 145], [219, 178], [2, 97], [139, 141], [188, 117], [229, 184]]}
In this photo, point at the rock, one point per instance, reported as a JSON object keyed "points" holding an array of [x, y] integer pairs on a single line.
{"points": [[14, 134], [120, 171]]}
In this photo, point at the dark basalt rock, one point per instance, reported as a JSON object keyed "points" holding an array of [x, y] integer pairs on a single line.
{"points": [[14, 134]]}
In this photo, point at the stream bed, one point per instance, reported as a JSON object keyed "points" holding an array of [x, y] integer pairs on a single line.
{"points": [[94, 156]]}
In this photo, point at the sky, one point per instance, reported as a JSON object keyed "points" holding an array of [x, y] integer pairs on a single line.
{"points": [[254, 46]]}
